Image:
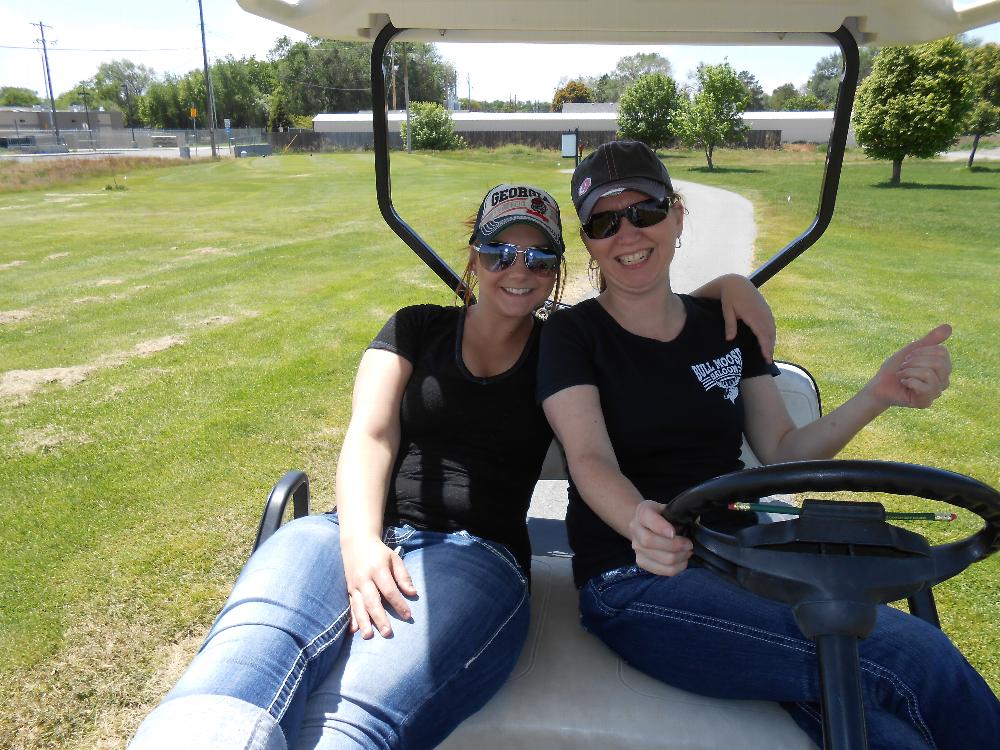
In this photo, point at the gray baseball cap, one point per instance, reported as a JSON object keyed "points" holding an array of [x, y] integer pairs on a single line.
{"points": [[615, 167], [507, 205]]}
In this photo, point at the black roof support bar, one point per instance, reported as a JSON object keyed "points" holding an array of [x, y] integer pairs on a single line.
{"points": [[834, 163], [383, 188], [828, 192]]}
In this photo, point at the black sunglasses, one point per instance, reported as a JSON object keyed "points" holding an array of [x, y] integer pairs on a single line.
{"points": [[646, 214], [498, 256]]}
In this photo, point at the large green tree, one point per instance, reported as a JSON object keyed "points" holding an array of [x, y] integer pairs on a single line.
{"points": [[121, 84], [824, 83], [574, 91], [714, 114], [239, 96], [913, 103], [15, 96], [647, 110], [781, 94], [161, 107], [609, 87], [322, 75], [758, 99], [984, 73]]}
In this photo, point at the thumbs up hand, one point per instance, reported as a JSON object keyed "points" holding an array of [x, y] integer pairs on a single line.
{"points": [[917, 374]]}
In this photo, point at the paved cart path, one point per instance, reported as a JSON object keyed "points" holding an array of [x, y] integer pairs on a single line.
{"points": [[719, 233]]}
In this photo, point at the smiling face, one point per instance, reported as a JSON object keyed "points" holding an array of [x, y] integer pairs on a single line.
{"points": [[515, 291], [635, 260]]}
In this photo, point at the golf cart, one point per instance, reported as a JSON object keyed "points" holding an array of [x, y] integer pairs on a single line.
{"points": [[834, 563]]}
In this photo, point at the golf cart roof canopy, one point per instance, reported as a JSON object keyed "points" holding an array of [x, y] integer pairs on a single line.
{"points": [[873, 22]]}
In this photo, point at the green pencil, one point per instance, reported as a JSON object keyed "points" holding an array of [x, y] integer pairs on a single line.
{"points": [[789, 510]]}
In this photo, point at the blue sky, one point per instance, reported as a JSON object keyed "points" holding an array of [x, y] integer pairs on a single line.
{"points": [[165, 36]]}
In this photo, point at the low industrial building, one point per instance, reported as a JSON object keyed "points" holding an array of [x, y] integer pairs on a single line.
{"points": [[544, 128]]}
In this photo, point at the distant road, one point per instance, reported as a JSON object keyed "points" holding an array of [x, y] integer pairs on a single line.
{"points": [[986, 154]]}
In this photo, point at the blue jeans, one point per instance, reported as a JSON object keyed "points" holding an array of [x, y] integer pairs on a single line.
{"points": [[283, 635], [706, 635]]}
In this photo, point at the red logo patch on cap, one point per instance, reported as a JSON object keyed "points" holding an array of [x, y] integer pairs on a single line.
{"points": [[584, 187]]}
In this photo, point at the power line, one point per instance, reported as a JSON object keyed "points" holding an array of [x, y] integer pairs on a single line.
{"points": [[90, 49]]}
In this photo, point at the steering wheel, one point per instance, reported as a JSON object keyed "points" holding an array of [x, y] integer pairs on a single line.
{"points": [[838, 560]]}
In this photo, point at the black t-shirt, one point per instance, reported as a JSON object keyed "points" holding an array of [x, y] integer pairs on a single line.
{"points": [[471, 448], [673, 409]]}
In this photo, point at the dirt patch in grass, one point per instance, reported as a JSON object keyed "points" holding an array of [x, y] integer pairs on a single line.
{"points": [[48, 439], [153, 346], [56, 256], [20, 385], [14, 316], [12, 264], [109, 282]]}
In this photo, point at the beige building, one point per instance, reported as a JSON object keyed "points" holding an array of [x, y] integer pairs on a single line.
{"points": [[37, 118]]}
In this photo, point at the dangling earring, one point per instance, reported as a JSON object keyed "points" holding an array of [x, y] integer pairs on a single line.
{"points": [[677, 242], [591, 264]]}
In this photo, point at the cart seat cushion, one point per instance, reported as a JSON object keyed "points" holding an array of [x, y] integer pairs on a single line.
{"points": [[569, 691]]}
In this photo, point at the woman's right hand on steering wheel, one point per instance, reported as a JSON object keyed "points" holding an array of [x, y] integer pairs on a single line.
{"points": [[658, 548], [374, 572]]}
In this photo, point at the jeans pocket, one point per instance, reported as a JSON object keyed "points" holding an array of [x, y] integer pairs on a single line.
{"points": [[613, 590]]}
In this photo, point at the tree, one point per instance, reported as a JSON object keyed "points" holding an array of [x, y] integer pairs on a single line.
{"points": [[630, 69], [913, 103], [278, 116], [574, 91], [758, 99], [802, 103], [433, 128], [984, 117], [15, 96], [647, 110], [238, 95], [784, 92], [714, 115], [609, 87], [121, 84], [161, 107], [824, 83]]}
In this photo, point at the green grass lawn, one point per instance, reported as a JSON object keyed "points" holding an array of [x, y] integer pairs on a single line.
{"points": [[169, 350]]}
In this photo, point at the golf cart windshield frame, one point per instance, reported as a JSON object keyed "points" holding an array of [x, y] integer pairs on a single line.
{"points": [[828, 189]]}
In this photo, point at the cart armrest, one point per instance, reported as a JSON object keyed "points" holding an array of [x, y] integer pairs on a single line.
{"points": [[294, 485]]}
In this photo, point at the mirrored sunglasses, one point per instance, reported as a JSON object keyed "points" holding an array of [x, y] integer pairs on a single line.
{"points": [[606, 224], [499, 256]]}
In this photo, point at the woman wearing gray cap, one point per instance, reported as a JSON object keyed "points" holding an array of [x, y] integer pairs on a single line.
{"points": [[649, 398], [403, 612]]}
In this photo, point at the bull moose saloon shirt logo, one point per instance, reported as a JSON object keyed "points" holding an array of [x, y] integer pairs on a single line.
{"points": [[724, 372]]}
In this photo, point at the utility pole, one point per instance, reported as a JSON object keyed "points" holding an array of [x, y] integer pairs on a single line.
{"points": [[85, 95], [53, 119], [128, 111], [208, 84], [406, 96], [392, 70]]}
